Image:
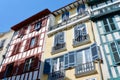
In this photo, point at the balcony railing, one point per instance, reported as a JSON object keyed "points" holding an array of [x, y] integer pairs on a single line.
{"points": [[79, 16], [81, 40], [57, 75], [58, 48], [85, 69], [104, 11], [92, 2]]}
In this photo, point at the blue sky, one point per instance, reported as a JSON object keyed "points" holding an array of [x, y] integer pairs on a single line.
{"points": [[15, 11]]}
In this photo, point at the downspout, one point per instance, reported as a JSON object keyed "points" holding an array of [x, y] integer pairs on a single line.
{"points": [[99, 65]]}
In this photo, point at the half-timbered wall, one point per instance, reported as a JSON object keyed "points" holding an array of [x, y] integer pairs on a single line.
{"points": [[20, 51]]}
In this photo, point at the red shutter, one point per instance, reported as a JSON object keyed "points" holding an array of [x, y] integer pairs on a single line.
{"points": [[21, 67], [15, 67], [2, 71], [37, 41], [44, 22], [16, 49], [35, 65], [27, 45], [32, 28]]}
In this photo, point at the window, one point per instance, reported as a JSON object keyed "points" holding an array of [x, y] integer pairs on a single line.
{"points": [[57, 64], [81, 9], [16, 49], [2, 43], [28, 64], [109, 24], [65, 16], [32, 43], [9, 70], [84, 56], [80, 33], [37, 25], [115, 47], [59, 41]]}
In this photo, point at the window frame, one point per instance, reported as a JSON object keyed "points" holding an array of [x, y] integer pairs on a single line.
{"points": [[67, 13]]}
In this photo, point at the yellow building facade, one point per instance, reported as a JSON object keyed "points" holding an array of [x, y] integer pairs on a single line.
{"points": [[70, 51]]}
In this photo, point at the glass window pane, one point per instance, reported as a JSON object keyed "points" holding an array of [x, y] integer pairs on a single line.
{"points": [[113, 26], [118, 42], [32, 43], [113, 47], [107, 28], [79, 56]]}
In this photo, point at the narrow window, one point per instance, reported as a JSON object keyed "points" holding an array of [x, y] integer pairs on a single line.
{"points": [[81, 9], [32, 43], [9, 70], [28, 64], [65, 16]]}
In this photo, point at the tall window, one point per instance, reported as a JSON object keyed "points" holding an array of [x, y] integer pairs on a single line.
{"points": [[2, 43], [32, 42], [59, 41], [57, 64], [115, 47], [80, 32], [109, 24], [65, 16], [9, 70], [81, 9], [28, 64]]}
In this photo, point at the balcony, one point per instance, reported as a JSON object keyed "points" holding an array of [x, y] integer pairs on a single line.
{"points": [[58, 48], [70, 20], [92, 2], [106, 11], [85, 69], [57, 75], [84, 39]]}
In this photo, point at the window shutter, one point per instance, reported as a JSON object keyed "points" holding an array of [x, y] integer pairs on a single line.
{"points": [[66, 63], [37, 39], [27, 44], [15, 68], [21, 67], [2, 71], [61, 38], [71, 59], [47, 66], [56, 39], [76, 32], [44, 22], [94, 52], [32, 28], [16, 49], [36, 62], [79, 57]]}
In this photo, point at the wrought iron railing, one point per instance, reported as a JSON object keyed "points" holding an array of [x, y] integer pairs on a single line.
{"points": [[74, 18], [58, 47], [106, 10], [81, 39], [57, 75], [84, 69]]}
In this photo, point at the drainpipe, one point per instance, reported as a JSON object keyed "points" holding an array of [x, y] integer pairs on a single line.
{"points": [[99, 66]]}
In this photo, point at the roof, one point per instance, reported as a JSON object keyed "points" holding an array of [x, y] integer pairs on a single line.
{"points": [[29, 20], [68, 7]]}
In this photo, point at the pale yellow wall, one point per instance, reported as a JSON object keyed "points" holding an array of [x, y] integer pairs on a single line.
{"points": [[72, 12], [69, 36]]}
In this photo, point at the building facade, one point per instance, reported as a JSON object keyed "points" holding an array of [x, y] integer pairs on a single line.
{"points": [[5, 39], [105, 15], [23, 58], [71, 52]]}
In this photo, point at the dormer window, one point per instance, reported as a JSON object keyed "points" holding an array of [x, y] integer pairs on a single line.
{"points": [[65, 16], [81, 9]]}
